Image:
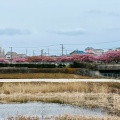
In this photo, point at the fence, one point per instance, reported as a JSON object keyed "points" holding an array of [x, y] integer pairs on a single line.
{"points": [[109, 76]]}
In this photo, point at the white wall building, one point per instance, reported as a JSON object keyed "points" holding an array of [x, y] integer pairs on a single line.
{"points": [[2, 53]]}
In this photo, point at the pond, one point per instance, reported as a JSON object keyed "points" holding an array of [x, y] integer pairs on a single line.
{"points": [[45, 110]]}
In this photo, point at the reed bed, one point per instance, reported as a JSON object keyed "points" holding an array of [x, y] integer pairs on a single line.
{"points": [[107, 101], [76, 117], [42, 87], [89, 95], [42, 76]]}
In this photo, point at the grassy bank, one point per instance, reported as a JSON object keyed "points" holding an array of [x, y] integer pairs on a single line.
{"points": [[42, 76]]}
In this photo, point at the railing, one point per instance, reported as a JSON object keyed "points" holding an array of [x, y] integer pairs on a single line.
{"points": [[110, 76], [109, 67]]}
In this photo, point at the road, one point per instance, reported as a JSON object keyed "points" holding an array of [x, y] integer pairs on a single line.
{"points": [[60, 80]]}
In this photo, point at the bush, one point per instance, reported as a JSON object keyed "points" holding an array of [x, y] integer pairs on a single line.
{"points": [[61, 66], [83, 65]]}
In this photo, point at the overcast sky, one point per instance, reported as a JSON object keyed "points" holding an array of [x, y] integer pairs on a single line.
{"points": [[44, 24]]}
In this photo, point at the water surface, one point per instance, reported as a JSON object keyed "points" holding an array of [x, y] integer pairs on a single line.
{"points": [[45, 110]]}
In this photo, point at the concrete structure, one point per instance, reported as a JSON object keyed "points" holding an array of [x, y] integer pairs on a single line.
{"points": [[109, 67]]}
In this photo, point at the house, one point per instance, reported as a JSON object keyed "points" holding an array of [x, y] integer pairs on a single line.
{"points": [[76, 52], [2, 53], [90, 50], [117, 49], [110, 50], [10, 55], [98, 51], [22, 55]]}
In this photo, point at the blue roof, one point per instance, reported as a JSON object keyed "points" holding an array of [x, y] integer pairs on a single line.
{"points": [[80, 52]]}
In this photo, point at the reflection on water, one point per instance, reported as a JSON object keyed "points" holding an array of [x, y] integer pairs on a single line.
{"points": [[45, 110]]}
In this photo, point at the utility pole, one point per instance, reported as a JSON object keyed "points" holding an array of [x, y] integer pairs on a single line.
{"points": [[33, 52], [26, 52], [62, 48], [41, 52], [66, 52], [48, 51], [11, 54]]}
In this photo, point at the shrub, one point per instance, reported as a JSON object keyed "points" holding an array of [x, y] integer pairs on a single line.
{"points": [[83, 65]]}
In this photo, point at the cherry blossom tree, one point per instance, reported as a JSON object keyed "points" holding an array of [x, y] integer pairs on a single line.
{"points": [[112, 56], [3, 60], [18, 60], [64, 59], [34, 59], [48, 59], [84, 58]]}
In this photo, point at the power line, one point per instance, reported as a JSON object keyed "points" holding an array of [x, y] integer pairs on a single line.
{"points": [[69, 44], [95, 43], [74, 49], [36, 46]]}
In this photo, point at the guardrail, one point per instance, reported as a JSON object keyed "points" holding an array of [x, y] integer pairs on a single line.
{"points": [[110, 76], [109, 67]]}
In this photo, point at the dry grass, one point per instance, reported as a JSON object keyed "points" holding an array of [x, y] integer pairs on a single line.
{"points": [[42, 76], [33, 88], [105, 95], [107, 101], [92, 95], [23, 118], [71, 117], [65, 117]]}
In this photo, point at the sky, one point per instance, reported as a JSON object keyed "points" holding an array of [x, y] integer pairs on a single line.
{"points": [[35, 25]]}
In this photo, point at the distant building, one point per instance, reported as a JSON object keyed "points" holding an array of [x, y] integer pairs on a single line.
{"points": [[98, 51], [11, 54], [117, 49], [22, 55], [90, 50], [110, 50], [14, 55], [76, 52], [2, 53]]}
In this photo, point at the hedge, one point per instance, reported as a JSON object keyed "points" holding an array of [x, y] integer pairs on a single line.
{"points": [[39, 70]]}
